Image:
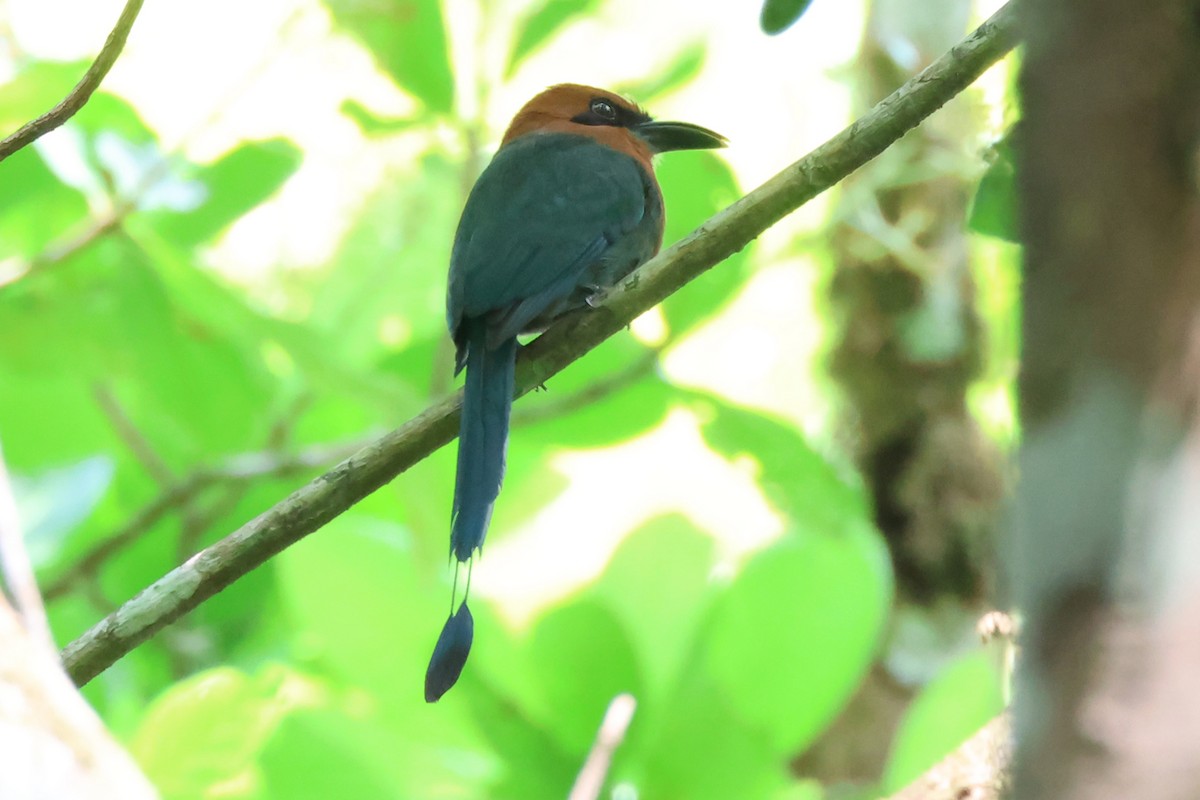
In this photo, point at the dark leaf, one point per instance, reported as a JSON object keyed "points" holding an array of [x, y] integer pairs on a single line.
{"points": [[779, 15]]}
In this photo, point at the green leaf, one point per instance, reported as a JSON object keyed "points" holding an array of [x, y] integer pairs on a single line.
{"points": [[779, 15], [319, 754], [681, 70], [390, 269], [118, 145], [371, 124], [807, 789], [105, 316], [696, 184], [614, 394], [706, 749], [355, 595], [198, 384], [798, 481], [660, 607], [36, 207], [34, 438], [581, 658], [792, 637], [948, 711], [207, 730], [239, 181], [218, 311], [537, 27], [994, 210], [36, 89], [536, 765], [408, 40], [362, 610]]}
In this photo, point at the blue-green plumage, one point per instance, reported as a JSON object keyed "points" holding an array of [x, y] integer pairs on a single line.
{"points": [[553, 218], [568, 207]]}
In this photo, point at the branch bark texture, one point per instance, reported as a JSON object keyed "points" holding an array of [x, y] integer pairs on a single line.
{"points": [[315, 504], [31, 131]]}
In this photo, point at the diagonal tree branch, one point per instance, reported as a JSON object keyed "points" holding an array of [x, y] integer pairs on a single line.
{"points": [[70, 105], [327, 496], [234, 472]]}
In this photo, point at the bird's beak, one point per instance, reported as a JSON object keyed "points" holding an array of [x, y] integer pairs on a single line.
{"points": [[666, 136]]}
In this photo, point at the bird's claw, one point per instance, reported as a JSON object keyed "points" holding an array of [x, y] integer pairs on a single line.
{"points": [[596, 296]]}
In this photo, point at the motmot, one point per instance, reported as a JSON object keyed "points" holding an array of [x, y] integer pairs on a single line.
{"points": [[567, 208]]}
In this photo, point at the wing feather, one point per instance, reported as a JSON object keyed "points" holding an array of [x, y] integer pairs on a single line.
{"points": [[548, 207]]}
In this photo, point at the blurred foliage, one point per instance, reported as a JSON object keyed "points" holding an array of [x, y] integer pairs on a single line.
{"points": [[964, 697], [540, 24], [408, 40], [679, 71], [779, 15], [304, 678], [994, 209]]}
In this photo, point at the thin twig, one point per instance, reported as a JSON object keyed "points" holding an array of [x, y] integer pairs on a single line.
{"points": [[198, 520], [134, 439], [324, 498], [90, 562], [590, 781], [91, 231], [70, 105], [235, 470], [102, 225], [16, 568], [594, 392]]}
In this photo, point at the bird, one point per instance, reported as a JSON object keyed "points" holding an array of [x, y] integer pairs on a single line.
{"points": [[568, 207]]}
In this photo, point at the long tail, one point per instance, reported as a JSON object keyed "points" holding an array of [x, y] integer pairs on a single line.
{"points": [[482, 438]]}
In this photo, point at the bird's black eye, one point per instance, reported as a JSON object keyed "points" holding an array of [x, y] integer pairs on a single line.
{"points": [[603, 108]]}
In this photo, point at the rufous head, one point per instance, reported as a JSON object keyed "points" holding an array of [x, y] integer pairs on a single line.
{"points": [[610, 119]]}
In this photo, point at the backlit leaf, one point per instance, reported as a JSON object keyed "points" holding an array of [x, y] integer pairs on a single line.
{"points": [[994, 209], [696, 184], [956, 704], [408, 40], [547, 19]]}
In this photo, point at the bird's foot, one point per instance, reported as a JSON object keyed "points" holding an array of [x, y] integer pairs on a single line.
{"points": [[596, 295]]}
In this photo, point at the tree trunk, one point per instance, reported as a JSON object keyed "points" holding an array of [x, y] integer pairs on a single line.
{"points": [[910, 344], [1108, 510]]}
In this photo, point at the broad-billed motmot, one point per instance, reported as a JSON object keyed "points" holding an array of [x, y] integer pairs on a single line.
{"points": [[568, 206]]}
